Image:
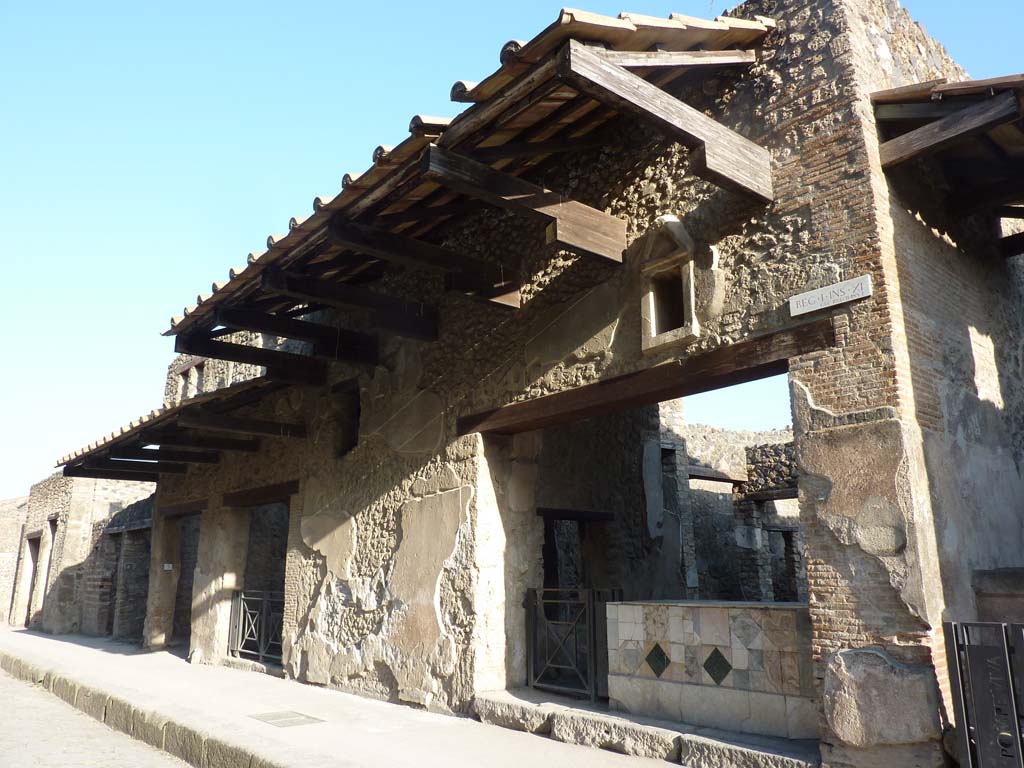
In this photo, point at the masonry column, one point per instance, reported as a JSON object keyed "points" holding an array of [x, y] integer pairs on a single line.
{"points": [[164, 571], [509, 543]]}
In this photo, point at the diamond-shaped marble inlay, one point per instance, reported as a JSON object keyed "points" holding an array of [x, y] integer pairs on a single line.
{"points": [[717, 666], [658, 660]]}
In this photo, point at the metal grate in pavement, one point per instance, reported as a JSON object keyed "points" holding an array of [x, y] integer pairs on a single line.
{"points": [[286, 719]]}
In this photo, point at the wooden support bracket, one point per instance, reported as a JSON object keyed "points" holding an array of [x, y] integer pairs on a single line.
{"points": [[721, 155], [571, 224]]}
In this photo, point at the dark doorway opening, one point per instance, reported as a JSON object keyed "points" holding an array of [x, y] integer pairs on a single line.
{"points": [[32, 565], [188, 556], [258, 608]]}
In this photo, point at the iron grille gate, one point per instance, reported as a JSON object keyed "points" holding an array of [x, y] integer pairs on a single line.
{"points": [[256, 619], [567, 640], [986, 674]]}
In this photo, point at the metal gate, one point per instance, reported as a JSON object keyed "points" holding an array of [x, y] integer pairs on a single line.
{"points": [[986, 674], [567, 640], [256, 619]]}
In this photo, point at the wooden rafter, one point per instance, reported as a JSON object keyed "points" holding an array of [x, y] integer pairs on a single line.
{"points": [[165, 454], [477, 275], [571, 224], [721, 155], [110, 474], [328, 342], [1010, 211], [284, 365], [644, 59], [126, 465], [733, 364], [414, 320], [201, 441], [199, 419], [936, 136]]}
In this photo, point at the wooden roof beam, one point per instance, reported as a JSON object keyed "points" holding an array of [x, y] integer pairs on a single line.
{"points": [[410, 319], [721, 155], [110, 474], [205, 420], [732, 364], [281, 365], [571, 224], [328, 342], [201, 441], [477, 275], [165, 454], [644, 59], [1010, 211], [936, 136], [159, 467]]}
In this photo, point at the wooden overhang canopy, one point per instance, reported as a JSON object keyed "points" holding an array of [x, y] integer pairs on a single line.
{"points": [[550, 96], [168, 440], [974, 130]]}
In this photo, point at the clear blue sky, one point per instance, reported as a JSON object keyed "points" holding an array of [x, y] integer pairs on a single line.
{"points": [[147, 147]]}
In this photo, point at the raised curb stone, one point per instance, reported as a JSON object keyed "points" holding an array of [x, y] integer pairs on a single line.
{"points": [[184, 742], [92, 702], [502, 709], [614, 734]]}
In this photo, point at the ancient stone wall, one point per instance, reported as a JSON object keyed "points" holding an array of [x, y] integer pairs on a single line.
{"points": [[132, 585], [188, 557], [13, 513], [770, 467]]}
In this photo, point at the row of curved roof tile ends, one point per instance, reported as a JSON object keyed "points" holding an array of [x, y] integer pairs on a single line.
{"points": [[628, 31]]}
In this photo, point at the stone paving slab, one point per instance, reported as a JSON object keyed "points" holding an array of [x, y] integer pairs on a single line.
{"points": [[205, 714], [579, 722]]}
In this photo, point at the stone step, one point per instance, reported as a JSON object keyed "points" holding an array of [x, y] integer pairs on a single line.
{"points": [[577, 722]]}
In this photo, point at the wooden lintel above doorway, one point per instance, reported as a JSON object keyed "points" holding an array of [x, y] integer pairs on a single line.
{"points": [[738, 363]]}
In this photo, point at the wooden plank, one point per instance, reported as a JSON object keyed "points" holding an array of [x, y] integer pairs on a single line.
{"points": [[914, 92], [126, 465], [328, 341], [733, 364], [581, 515], [267, 494], [724, 156], [183, 508], [165, 454], [417, 321], [519, 149], [302, 367], [918, 111], [775, 494], [111, 474], [572, 225], [209, 442], [417, 213], [708, 473], [199, 419], [636, 59], [932, 138], [1012, 245], [399, 249], [967, 87]]}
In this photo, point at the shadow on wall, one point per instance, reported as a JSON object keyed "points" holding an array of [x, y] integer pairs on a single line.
{"points": [[962, 306]]}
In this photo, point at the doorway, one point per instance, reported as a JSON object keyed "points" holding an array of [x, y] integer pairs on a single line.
{"points": [[29, 577], [257, 610], [188, 556]]}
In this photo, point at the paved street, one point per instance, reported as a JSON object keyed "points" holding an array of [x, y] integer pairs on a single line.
{"points": [[286, 724], [38, 730]]}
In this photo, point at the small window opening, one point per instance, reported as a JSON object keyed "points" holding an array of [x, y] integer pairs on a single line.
{"points": [[200, 367], [669, 306]]}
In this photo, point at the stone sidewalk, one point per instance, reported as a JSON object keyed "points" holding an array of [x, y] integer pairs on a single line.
{"points": [[214, 717]]}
